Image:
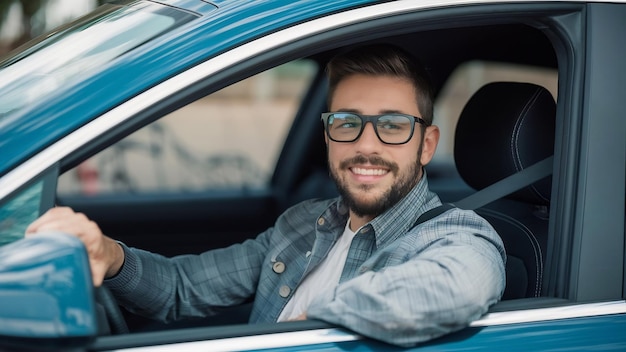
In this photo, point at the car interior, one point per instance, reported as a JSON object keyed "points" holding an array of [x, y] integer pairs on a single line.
{"points": [[503, 129]]}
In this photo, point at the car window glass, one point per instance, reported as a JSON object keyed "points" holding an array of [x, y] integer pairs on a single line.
{"points": [[230, 139], [19, 210], [64, 56], [465, 81]]}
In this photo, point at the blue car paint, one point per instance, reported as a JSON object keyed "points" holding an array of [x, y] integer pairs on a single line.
{"points": [[231, 24], [195, 6], [45, 290]]}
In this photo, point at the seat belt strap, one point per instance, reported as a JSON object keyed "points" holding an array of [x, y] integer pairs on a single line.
{"points": [[507, 185], [495, 191], [433, 213]]}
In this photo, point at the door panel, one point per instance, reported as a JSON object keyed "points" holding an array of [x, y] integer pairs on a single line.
{"points": [[172, 225]]}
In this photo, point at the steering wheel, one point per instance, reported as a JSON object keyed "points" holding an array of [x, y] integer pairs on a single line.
{"points": [[112, 313]]}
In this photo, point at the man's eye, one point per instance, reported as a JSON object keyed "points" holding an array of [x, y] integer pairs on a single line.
{"points": [[390, 126], [347, 125]]}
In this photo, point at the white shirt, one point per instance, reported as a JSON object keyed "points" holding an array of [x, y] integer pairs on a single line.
{"points": [[324, 277]]}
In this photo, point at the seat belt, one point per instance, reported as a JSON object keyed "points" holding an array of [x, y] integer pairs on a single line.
{"points": [[502, 188], [508, 185], [433, 213]]}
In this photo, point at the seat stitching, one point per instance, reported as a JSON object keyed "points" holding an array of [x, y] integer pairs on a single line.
{"points": [[533, 187], [519, 121]]}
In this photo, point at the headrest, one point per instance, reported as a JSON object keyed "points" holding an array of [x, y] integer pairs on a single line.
{"points": [[504, 128]]}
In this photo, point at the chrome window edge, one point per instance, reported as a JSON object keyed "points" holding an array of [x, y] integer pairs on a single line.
{"points": [[334, 335], [256, 342], [552, 313], [37, 164]]}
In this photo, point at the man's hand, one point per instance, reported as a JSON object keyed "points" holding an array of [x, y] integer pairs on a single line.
{"points": [[105, 255]]}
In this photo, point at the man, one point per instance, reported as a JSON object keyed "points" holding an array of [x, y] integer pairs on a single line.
{"points": [[358, 260]]}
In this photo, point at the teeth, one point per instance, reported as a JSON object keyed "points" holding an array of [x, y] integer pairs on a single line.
{"points": [[369, 172]]}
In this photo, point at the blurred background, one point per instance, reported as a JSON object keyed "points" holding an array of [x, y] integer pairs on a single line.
{"points": [[21, 20]]}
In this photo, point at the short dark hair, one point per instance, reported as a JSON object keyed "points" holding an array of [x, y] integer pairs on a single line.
{"points": [[383, 60]]}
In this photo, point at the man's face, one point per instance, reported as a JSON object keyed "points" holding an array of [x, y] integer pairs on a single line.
{"points": [[370, 175]]}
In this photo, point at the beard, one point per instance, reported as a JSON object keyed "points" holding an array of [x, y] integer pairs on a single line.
{"points": [[405, 181]]}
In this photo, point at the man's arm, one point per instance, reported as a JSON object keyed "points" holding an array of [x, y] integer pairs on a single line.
{"points": [[168, 289], [159, 287], [438, 291]]}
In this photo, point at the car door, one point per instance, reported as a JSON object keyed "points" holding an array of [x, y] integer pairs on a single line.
{"points": [[512, 321], [584, 276]]}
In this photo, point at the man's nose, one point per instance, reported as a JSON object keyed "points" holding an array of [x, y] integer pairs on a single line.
{"points": [[368, 142]]}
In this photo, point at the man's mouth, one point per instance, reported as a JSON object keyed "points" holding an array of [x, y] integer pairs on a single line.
{"points": [[368, 172], [368, 166]]}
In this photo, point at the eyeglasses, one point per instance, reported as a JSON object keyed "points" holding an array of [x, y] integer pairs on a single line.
{"points": [[390, 128]]}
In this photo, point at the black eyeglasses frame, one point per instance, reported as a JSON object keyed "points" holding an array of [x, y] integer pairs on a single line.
{"points": [[373, 119]]}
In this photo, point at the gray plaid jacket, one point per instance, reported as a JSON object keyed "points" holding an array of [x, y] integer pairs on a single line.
{"points": [[399, 284]]}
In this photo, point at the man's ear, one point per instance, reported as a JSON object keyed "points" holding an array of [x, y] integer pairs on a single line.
{"points": [[429, 144]]}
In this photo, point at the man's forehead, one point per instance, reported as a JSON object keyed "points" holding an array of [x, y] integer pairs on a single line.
{"points": [[370, 94]]}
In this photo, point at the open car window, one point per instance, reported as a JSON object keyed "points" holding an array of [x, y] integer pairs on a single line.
{"points": [[228, 140]]}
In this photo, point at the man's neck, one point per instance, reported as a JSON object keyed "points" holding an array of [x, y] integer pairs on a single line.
{"points": [[356, 222]]}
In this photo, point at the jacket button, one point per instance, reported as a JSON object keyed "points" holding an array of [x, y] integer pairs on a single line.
{"points": [[284, 291], [278, 267], [320, 221]]}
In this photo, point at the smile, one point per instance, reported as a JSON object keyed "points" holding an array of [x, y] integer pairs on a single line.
{"points": [[369, 172]]}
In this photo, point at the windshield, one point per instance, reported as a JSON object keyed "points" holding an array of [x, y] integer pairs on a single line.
{"points": [[97, 39]]}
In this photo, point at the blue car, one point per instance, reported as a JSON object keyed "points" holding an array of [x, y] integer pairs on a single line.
{"points": [[181, 126]]}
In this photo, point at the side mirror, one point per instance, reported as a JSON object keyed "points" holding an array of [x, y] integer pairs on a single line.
{"points": [[46, 293]]}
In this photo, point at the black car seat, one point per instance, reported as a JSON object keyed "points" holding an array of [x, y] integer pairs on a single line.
{"points": [[504, 128]]}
